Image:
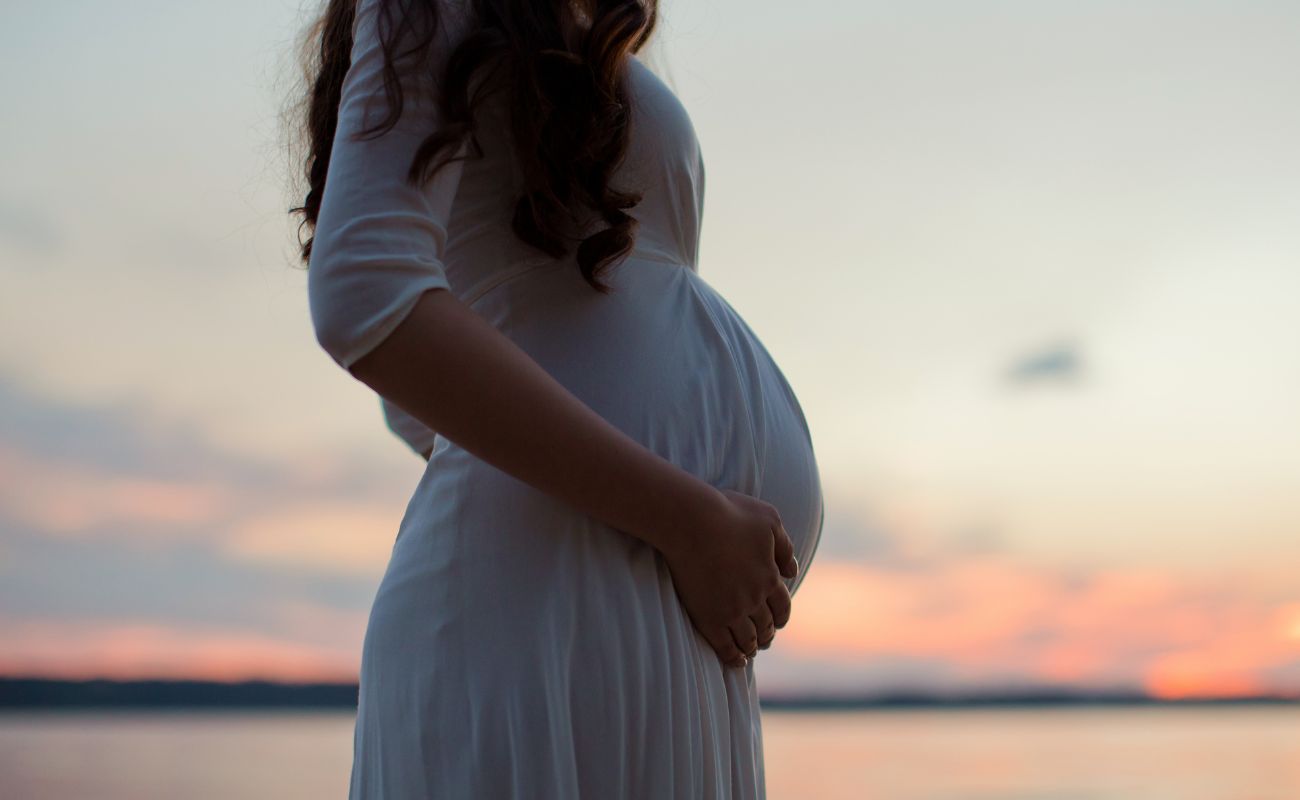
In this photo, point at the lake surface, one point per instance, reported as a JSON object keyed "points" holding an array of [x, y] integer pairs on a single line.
{"points": [[1234, 753]]}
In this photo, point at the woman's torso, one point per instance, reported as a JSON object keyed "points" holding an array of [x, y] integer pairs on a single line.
{"points": [[664, 356]]}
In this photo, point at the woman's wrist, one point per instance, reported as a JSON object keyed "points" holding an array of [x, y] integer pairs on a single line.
{"points": [[682, 507]]}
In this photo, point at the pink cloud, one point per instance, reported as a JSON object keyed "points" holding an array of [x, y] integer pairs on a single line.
{"points": [[989, 617], [71, 498], [348, 538], [326, 648]]}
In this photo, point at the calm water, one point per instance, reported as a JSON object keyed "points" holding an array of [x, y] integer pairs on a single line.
{"points": [[1069, 754]]}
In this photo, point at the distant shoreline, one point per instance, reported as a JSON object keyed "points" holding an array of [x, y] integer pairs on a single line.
{"points": [[29, 693]]}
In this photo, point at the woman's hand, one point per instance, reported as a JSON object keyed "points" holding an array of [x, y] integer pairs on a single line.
{"points": [[727, 571]]}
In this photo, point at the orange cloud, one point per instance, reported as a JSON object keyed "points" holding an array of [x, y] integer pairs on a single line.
{"points": [[988, 617], [1289, 622], [343, 538], [1225, 661]]}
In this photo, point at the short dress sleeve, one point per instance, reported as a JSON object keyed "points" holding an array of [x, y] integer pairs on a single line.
{"points": [[379, 241]]}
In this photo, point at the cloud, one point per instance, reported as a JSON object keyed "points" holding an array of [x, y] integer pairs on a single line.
{"points": [[120, 438], [853, 534], [114, 518], [986, 621], [330, 536], [70, 498], [163, 581], [78, 649], [855, 531], [1057, 363], [126, 471]]}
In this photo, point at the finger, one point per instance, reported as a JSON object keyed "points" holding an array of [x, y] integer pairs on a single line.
{"points": [[784, 552], [745, 635], [764, 625], [779, 602], [722, 644]]}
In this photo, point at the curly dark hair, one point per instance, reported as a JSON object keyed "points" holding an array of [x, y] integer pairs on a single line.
{"points": [[563, 64]]}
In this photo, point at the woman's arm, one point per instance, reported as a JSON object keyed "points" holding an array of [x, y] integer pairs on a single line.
{"points": [[454, 372]]}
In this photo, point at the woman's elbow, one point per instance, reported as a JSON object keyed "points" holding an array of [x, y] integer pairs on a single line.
{"points": [[335, 322], [357, 300], [335, 340]]}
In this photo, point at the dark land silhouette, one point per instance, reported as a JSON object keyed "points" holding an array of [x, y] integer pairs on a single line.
{"points": [[50, 693]]}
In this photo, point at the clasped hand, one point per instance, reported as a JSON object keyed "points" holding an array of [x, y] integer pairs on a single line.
{"points": [[728, 575]]}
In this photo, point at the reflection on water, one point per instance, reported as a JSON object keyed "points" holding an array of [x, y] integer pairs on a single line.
{"points": [[1068, 754]]}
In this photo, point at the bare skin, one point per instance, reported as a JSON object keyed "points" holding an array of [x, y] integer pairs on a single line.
{"points": [[727, 552]]}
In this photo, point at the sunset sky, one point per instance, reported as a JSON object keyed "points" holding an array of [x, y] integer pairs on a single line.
{"points": [[1032, 268]]}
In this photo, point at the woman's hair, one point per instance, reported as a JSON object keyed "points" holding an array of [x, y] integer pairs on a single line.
{"points": [[561, 63]]}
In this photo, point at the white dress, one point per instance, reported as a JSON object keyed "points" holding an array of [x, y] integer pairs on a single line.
{"points": [[518, 648]]}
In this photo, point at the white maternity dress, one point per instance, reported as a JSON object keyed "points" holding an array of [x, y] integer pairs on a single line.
{"points": [[518, 648]]}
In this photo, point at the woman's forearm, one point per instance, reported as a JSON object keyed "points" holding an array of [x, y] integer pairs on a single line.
{"points": [[449, 368]]}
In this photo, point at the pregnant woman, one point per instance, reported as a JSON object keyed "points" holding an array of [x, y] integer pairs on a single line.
{"points": [[621, 495]]}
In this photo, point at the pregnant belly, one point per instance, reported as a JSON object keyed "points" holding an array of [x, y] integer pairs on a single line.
{"points": [[667, 360]]}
